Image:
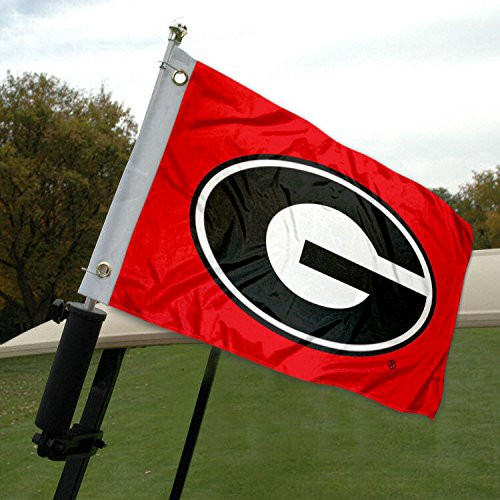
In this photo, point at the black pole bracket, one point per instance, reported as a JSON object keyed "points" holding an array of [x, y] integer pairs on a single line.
{"points": [[70, 366], [78, 442], [59, 311]]}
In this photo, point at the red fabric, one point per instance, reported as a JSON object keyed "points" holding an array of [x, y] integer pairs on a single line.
{"points": [[164, 281]]}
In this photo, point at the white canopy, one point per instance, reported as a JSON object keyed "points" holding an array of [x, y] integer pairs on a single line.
{"points": [[118, 330], [480, 303], [480, 307]]}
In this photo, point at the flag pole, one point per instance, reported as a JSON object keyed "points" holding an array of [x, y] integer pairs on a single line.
{"points": [[77, 444]]}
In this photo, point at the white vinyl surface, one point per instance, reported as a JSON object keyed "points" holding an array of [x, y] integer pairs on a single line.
{"points": [[479, 307], [118, 330], [480, 304]]}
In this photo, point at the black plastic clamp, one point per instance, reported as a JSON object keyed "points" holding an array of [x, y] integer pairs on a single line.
{"points": [[59, 311], [78, 442]]}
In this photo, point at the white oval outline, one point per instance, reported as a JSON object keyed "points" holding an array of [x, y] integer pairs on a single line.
{"points": [[205, 246]]}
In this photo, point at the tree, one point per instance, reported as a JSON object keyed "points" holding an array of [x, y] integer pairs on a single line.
{"points": [[62, 152], [446, 196], [478, 202]]}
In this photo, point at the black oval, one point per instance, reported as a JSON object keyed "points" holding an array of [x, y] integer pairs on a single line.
{"points": [[236, 216]]}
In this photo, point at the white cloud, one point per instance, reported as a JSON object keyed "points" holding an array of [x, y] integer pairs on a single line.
{"points": [[413, 84]]}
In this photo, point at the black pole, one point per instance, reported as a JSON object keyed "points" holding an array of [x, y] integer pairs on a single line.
{"points": [[194, 427], [91, 421]]}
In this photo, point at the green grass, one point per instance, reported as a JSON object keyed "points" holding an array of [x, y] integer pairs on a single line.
{"points": [[265, 435]]}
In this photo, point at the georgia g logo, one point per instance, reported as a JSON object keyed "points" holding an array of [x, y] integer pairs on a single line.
{"points": [[312, 255]]}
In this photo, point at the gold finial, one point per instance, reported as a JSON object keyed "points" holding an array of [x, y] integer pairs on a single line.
{"points": [[178, 31]]}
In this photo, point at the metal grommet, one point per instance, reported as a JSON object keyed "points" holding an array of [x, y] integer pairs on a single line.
{"points": [[103, 270], [180, 77]]}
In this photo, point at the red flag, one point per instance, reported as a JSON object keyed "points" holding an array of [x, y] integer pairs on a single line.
{"points": [[244, 226]]}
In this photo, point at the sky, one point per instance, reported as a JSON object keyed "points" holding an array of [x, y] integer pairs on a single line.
{"points": [[415, 85]]}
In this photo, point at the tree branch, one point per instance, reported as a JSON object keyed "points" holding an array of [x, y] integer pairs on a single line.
{"points": [[9, 299], [7, 264]]}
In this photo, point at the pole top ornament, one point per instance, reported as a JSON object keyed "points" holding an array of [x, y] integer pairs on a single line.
{"points": [[178, 31]]}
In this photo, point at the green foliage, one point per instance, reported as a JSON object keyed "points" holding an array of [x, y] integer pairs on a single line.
{"points": [[62, 152], [478, 202], [446, 196]]}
